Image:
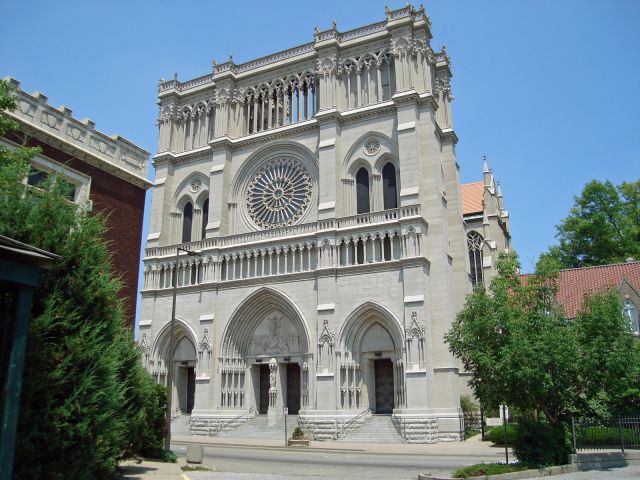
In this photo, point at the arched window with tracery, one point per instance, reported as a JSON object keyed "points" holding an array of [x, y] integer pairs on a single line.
{"points": [[362, 191], [632, 314], [474, 245], [389, 189], [205, 217], [187, 221]]}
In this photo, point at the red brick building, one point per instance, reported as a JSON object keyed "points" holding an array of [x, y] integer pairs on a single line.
{"points": [[109, 174], [575, 283]]}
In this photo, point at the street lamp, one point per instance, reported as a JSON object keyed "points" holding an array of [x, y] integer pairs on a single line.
{"points": [[167, 436]]}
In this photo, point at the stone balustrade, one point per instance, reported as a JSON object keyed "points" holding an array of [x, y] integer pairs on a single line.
{"points": [[371, 238]]}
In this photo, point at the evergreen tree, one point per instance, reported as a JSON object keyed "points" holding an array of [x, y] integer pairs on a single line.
{"points": [[86, 399]]}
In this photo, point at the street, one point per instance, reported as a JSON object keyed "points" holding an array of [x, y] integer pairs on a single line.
{"points": [[359, 461]]}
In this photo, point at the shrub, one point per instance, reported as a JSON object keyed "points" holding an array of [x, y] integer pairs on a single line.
{"points": [[297, 434], [496, 434], [482, 469], [540, 444], [604, 436], [468, 405]]}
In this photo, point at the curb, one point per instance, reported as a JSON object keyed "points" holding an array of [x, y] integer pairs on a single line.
{"points": [[539, 472], [272, 447]]}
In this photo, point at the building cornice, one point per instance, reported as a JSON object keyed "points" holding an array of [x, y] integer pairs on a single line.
{"points": [[56, 127]]}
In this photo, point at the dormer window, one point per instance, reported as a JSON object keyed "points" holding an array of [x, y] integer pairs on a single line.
{"points": [[631, 312]]}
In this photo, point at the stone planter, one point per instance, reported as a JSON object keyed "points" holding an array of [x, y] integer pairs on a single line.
{"points": [[303, 442]]}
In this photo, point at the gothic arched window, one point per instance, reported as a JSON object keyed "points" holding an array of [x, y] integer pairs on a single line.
{"points": [[389, 190], [205, 217], [362, 191], [632, 313], [187, 220], [474, 245]]}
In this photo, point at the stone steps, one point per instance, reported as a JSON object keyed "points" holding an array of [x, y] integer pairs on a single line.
{"points": [[180, 425], [258, 427], [375, 429]]}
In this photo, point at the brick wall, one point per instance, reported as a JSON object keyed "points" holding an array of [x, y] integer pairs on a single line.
{"points": [[123, 203]]}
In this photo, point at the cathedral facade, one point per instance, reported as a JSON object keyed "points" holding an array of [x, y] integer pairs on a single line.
{"points": [[317, 192]]}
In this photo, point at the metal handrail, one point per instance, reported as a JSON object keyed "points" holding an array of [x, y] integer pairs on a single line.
{"points": [[344, 428], [220, 428]]}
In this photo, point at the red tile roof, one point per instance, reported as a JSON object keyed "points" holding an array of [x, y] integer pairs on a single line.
{"points": [[472, 195], [575, 283]]}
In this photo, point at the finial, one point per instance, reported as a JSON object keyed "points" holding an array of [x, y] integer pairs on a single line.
{"points": [[387, 10], [230, 57], [444, 49], [333, 25], [316, 31], [175, 76], [485, 169], [214, 64]]}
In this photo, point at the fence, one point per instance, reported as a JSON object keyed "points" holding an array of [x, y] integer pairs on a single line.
{"points": [[613, 433]]}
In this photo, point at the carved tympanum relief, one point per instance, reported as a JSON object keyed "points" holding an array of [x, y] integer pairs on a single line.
{"points": [[275, 335]]}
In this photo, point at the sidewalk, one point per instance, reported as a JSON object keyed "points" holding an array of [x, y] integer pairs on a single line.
{"points": [[151, 470]]}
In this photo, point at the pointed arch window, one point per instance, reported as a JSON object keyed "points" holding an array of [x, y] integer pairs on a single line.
{"points": [[187, 221], [205, 217], [389, 190], [362, 191], [632, 313], [474, 245]]}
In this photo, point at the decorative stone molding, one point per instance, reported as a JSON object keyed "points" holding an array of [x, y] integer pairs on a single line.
{"points": [[112, 154]]}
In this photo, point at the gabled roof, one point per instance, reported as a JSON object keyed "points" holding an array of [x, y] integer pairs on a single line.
{"points": [[472, 195], [575, 283]]}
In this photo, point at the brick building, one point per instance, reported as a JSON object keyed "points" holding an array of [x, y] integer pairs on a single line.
{"points": [[109, 174]]}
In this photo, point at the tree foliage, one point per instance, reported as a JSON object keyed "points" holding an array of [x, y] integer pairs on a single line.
{"points": [[602, 227], [86, 398], [522, 351]]}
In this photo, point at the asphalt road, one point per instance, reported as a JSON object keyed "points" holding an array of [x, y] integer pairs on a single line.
{"points": [[239, 462]]}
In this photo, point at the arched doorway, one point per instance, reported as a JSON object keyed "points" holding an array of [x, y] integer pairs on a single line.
{"points": [[265, 355], [184, 364], [371, 370]]}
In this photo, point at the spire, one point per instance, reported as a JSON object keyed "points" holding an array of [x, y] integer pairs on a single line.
{"points": [[499, 195], [486, 173]]}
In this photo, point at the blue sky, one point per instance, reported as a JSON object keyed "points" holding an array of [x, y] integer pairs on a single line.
{"points": [[547, 89]]}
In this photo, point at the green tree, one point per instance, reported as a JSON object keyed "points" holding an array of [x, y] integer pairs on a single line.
{"points": [[602, 227], [522, 351], [86, 398]]}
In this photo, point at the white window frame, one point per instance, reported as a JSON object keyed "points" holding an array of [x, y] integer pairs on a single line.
{"points": [[630, 310]]}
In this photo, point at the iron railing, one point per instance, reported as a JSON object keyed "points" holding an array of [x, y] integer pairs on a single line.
{"points": [[229, 423], [345, 428], [606, 434]]}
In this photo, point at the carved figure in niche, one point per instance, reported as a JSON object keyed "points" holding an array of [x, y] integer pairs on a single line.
{"points": [[273, 368]]}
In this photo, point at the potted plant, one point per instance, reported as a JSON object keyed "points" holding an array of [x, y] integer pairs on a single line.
{"points": [[297, 439]]}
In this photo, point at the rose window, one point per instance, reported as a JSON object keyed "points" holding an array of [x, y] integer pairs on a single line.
{"points": [[195, 185], [279, 193], [372, 146]]}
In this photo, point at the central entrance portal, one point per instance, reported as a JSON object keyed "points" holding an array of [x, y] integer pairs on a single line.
{"points": [[383, 374], [288, 384], [293, 388], [263, 405]]}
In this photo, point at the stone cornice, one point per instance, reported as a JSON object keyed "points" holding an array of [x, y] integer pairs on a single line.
{"points": [[58, 128]]}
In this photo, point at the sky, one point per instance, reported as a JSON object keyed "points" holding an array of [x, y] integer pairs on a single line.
{"points": [[548, 90]]}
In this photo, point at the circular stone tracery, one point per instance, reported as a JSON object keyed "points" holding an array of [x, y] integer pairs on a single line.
{"points": [[279, 193]]}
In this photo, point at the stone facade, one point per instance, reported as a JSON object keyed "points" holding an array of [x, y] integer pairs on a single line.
{"points": [[108, 173], [320, 190]]}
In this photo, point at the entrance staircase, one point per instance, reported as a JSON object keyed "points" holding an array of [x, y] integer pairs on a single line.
{"points": [[180, 425], [375, 429], [258, 428]]}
